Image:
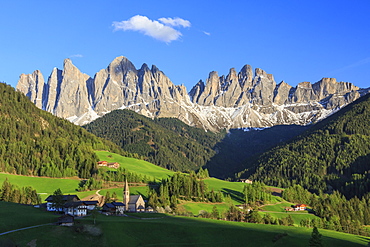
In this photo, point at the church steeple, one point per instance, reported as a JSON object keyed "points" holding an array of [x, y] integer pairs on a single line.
{"points": [[126, 195]]}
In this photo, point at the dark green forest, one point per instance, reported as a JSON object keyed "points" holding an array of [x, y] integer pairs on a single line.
{"points": [[170, 143], [36, 143], [166, 142], [239, 144], [332, 155], [335, 211]]}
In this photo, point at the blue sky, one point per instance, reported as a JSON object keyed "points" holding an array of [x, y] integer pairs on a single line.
{"points": [[293, 40]]}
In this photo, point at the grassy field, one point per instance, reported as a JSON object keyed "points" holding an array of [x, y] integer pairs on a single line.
{"points": [[134, 165], [14, 216], [278, 211], [297, 217], [45, 186], [162, 231], [235, 189], [196, 207], [42, 184], [277, 207]]}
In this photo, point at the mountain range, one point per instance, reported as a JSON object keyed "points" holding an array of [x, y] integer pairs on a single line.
{"points": [[237, 100]]}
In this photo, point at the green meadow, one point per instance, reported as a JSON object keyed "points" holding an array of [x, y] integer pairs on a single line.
{"points": [[135, 165], [196, 207], [45, 186], [235, 189], [159, 230], [14, 216], [297, 217], [279, 207]]}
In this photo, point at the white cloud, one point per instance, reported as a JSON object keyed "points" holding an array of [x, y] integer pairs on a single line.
{"points": [[175, 22], [76, 55], [160, 31], [206, 33]]}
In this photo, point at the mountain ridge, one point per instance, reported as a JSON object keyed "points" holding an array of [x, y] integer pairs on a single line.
{"points": [[331, 155], [237, 100]]}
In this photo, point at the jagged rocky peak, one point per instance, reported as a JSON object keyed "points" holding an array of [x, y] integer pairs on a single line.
{"points": [[32, 85], [245, 99], [235, 89], [121, 65], [73, 104], [327, 86], [245, 76], [281, 93]]}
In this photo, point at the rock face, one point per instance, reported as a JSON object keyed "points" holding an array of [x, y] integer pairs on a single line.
{"points": [[238, 100]]}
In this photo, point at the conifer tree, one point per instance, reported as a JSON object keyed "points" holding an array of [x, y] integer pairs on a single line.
{"points": [[315, 239], [6, 191], [107, 198], [57, 199]]}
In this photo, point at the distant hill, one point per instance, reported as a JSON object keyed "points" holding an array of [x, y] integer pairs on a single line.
{"points": [[332, 155], [34, 142], [166, 142], [240, 144]]}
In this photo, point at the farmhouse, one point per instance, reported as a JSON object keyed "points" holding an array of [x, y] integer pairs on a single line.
{"points": [[149, 209], [75, 208], [300, 207], [70, 204], [102, 163], [66, 220], [247, 181], [111, 165], [50, 202], [91, 205], [114, 208]]}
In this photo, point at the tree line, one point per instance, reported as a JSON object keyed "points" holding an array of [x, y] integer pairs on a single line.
{"points": [[24, 195], [335, 211], [188, 187]]}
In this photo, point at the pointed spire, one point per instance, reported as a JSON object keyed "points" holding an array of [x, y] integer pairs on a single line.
{"points": [[126, 194]]}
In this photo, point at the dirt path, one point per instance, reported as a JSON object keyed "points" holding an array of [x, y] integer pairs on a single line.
{"points": [[25, 228]]}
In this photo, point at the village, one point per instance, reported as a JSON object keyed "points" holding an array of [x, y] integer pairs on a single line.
{"points": [[72, 206]]}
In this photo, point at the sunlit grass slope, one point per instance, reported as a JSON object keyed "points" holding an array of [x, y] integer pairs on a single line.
{"points": [[178, 231]]}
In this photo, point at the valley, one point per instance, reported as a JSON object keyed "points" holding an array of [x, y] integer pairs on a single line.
{"points": [[184, 123], [173, 224], [178, 169]]}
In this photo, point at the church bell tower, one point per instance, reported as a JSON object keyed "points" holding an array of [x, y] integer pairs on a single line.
{"points": [[126, 195]]}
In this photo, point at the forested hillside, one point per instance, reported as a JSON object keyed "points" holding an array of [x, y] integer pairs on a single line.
{"points": [[34, 142], [332, 155], [166, 142], [240, 144]]}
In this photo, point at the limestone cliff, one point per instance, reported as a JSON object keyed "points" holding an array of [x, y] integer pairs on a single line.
{"points": [[237, 100]]}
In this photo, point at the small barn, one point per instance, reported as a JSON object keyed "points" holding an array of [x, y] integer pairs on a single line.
{"points": [[66, 220]]}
